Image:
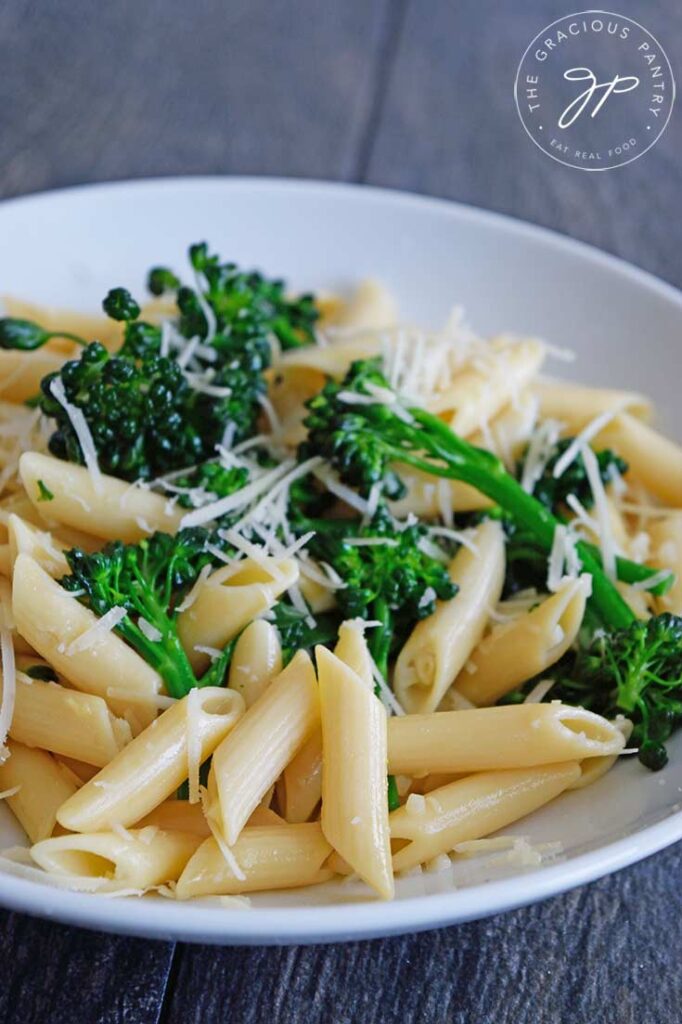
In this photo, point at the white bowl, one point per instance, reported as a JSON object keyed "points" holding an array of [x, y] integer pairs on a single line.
{"points": [[69, 247]]}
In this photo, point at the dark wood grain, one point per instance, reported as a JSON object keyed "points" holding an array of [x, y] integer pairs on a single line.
{"points": [[413, 94], [97, 91], [55, 975], [607, 954], [450, 128]]}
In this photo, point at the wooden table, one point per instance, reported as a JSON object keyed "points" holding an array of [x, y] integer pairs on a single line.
{"points": [[413, 94]]}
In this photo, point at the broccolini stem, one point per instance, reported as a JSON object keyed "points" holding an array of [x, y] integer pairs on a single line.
{"points": [[393, 794], [485, 472]]}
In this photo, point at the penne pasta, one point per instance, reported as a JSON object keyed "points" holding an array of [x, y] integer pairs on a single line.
{"points": [[666, 553], [299, 788], [426, 497], [479, 392], [371, 307], [22, 372], [37, 785], [137, 859], [516, 736], [27, 539], [318, 597], [654, 460], [270, 734], [77, 725], [354, 786], [224, 604], [596, 767], [150, 769], [439, 646], [518, 650], [351, 648], [257, 659], [511, 430], [78, 769], [266, 857], [472, 808], [575, 406], [51, 620], [177, 816], [265, 816], [119, 511]]}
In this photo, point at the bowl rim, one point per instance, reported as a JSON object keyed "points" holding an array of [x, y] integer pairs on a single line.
{"points": [[359, 919]]}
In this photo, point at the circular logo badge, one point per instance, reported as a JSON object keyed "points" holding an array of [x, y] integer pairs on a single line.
{"points": [[594, 90]]}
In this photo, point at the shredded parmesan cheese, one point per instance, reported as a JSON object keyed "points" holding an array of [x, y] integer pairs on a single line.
{"points": [[606, 540], [583, 439], [92, 636], [539, 691], [82, 432], [150, 632]]}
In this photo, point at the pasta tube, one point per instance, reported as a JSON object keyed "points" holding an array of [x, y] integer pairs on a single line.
{"points": [[516, 736], [228, 600], [78, 725], [332, 360], [666, 553], [428, 497], [41, 787], [272, 731], [24, 538], [318, 597], [150, 769], [518, 650], [300, 786], [354, 785], [65, 633], [78, 769], [266, 857], [440, 645], [371, 307], [351, 648], [257, 659], [596, 767], [478, 393], [137, 859], [575, 405], [510, 431], [177, 816], [655, 461], [472, 808], [22, 372], [299, 789], [120, 511]]}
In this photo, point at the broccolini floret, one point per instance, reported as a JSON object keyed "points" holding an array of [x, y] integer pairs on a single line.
{"points": [[364, 441], [148, 580], [553, 491], [299, 630], [636, 672], [240, 301], [144, 418], [387, 576]]}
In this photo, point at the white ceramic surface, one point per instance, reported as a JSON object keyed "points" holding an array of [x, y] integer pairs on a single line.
{"points": [[69, 247]]}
